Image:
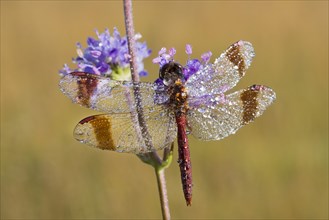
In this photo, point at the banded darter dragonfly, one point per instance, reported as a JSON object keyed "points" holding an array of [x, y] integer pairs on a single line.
{"points": [[173, 106]]}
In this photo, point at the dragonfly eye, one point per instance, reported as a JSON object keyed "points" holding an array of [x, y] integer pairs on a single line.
{"points": [[170, 72]]}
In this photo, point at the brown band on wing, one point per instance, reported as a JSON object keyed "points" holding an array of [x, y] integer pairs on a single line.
{"points": [[85, 120], [250, 104], [234, 55], [103, 132], [86, 86]]}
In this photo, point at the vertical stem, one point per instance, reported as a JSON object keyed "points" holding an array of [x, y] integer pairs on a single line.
{"points": [[127, 7], [154, 157], [163, 193]]}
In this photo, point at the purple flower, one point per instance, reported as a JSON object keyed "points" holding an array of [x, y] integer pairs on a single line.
{"points": [[206, 57], [188, 49], [164, 57], [192, 65], [108, 56]]}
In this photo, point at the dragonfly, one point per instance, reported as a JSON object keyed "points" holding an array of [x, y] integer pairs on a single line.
{"points": [[141, 117]]}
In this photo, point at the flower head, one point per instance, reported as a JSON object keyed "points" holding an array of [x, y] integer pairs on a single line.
{"points": [[108, 56], [192, 65]]}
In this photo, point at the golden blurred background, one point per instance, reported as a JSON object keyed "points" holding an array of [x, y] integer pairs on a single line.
{"points": [[274, 168]]}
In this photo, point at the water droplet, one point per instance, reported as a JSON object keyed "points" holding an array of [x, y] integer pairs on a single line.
{"points": [[202, 110]]}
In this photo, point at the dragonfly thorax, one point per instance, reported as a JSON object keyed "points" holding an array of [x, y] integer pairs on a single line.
{"points": [[170, 73], [178, 97], [172, 76]]}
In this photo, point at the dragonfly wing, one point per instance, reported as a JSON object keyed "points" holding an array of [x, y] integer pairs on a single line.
{"points": [[106, 95], [224, 73], [121, 132], [221, 116]]}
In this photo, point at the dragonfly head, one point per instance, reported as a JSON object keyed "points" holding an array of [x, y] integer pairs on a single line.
{"points": [[170, 72]]}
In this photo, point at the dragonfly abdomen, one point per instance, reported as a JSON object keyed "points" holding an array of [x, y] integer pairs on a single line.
{"points": [[179, 102], [184, 159]]}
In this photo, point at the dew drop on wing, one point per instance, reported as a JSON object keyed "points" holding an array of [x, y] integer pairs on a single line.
{"points": [[202, 110], [151, 109], [217, 98]]}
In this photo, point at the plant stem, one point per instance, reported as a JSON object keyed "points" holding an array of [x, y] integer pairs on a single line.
{"points": [[163, 193], [127, 7], [153, 157]]}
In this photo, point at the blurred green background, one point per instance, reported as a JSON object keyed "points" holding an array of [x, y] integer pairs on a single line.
{"points": [[274, 168]]}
